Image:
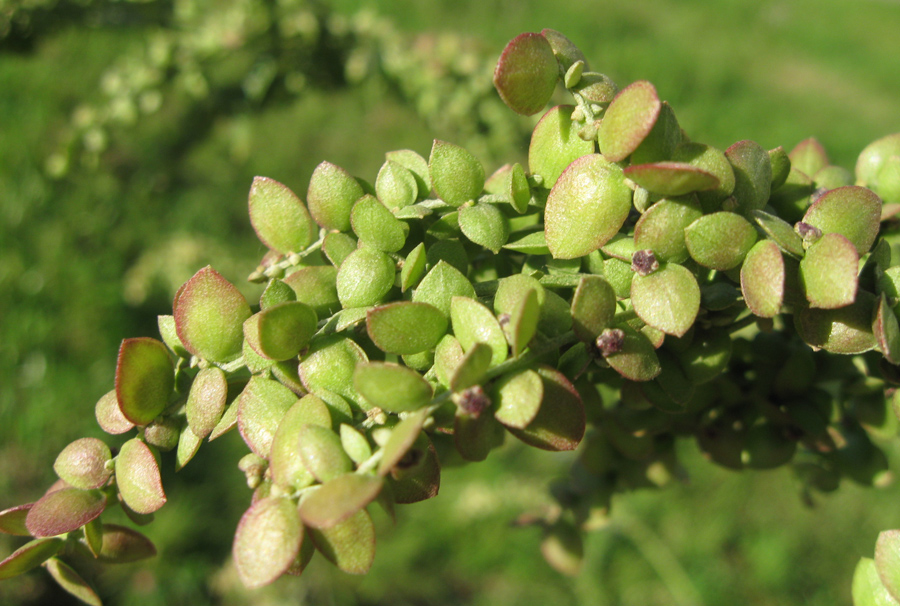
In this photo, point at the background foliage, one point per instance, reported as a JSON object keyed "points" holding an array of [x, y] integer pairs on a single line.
{"points": [[107, 207]]}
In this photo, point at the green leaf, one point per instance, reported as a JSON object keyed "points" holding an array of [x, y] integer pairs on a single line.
{"points": [[349, 545], [854, 212], [317, 286], [329, 364], [365, 277], [206, 400], [628, 120], [586, 208], [474, 435], [209, 316], [471, 368], [781, 166], [485, 225], [355, 444], [560, 421], [781, 232], [720, 240], [456, 175], [267, 541], [281, 331], [395, 186], [337, 246], [122, 545], [532, 244], [662, 140], [707, 356], [279, 217], [523, 321], [809, 156], [671, 178], [526, 73], [661, 228], [828, 272], [414, 163], [109, 415], [846, 330], [416, 477], [593, 307], [636, 358], [338, 499], [285, 463], [887, 561], [28, 556], [441, 285], [868, 590], [392, 387], [83, 464], [713, 161], [262, 405], [376, 226], [555, 144], [322, 453], [517, 398], [762, 279], [144, 379], [413, 267], [12, 520], [406, 327], [752, 175], [403, 436], [565, 50], [474, 323], [887, 330], [667, 299], [331, 195], [138, 479], [72, 582], [563, 548], [169, 334], [188, 445]]}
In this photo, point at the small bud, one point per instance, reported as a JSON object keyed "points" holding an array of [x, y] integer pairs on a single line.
{"points": [[472, 400], [610, 341], [809, 233], [577, 115], [644, 263], [254, 467], [573, 74]]}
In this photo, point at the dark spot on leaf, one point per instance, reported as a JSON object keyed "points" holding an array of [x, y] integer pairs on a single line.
{"points": [[644, 262], [610, 341], [473, 400]]}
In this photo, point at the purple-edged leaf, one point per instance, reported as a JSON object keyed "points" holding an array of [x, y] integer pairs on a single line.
{"points": [[122, 545], [661, 228], [526, 73], [279, 217], [456, 175], [887, 330], [267, 541], [331, 195], [887, 561], [474, 323], [392, 387], [854, 212], [555, 144], [209, 315], [403, 436], [667, 299], [63, 511], [406, 327], [713, 161], [781, 232], [285, 463], [720, 240], [12, 520], [28, 556], [338, 499], [752, 175], [83, 464], [206, 401], [828, 272], [281, 331], [628, 120], [138, 479], [846, 330], [322, 453], [71, 581], [762, 279], [262, 405], [586, 207], [517, 398], [671, 178], [109, 415], [349, 545], [560, 422], [144, 379], [868, 590], [809, 156]]}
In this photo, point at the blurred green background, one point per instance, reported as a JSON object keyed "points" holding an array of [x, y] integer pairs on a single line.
{"points": [[130, 133]]}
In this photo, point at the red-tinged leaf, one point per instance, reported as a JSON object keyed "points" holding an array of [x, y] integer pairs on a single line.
{"points": [[262, 405], [349, 545], [323, 453], [279, 217], [267, 541], [72, 582], [144, 379], [12, 520], [83, 464], [206, 401], [109, 415], [526, 73], [671, 178], [762, 279], [628, 120], [138, 479], [28, 556], [339, 499], [418, 476], [63, 511], [209, 316], [560, 422], [121, 545]]}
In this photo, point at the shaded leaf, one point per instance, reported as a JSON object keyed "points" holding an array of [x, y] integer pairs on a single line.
{"points": [[752, 175], [887, 330], [63, 511], [285, 463], [828, 272], [12, 520], [349, 545], [72, 582], [403, 436], [636, 358], [281, 331], [671, 178], [28, 556], [144, 379], [781, 232], [413, 267], [846, 330], [560, 421], [121, 545], [471, 368], [137, 477], [317, 286]]}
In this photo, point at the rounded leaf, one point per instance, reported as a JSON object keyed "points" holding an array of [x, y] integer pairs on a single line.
{"points": [[138, 479], [317, 286], [331, 195], [64, 510], [441, 285], [109, 415], [846, 330], [338, 499], [854, 212], [82, 464], [671, 178], [517, 398], [28, 556], [349, 545], [406, 327], [144, 379], [209, 316], [12, 520], [809, 156], [376, 226], [752, 175], [396, 186], [322, 452], [261, 406], [267, 541], [526, 73], [713, 161], [121, 545], [475, 323], [667, 299], [281, 331], [635, 358], [628, 120], [586, 208], [206, 400], [279, 217], [485, 225], [828, 272], [416, 164], [456, 175], [868, 589], [285, 463], [329, 364], [560, 421], [392, 387], [365, 277], [555, 144], [762, 279], [661, 228], [720, 240], [593, 307]]}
